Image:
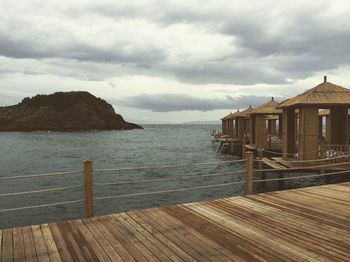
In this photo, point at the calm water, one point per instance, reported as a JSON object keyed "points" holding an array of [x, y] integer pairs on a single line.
{"points": [[42, 152]]}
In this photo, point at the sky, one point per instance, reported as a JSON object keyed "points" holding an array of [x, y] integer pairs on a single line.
{"points": [[173, 61]]}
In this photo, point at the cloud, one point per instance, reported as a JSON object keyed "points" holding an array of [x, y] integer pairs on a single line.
{"points": [[179, 102]]}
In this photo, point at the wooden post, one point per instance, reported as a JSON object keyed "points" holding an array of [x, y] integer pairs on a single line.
{"points": [[249, 173], [261, 174], [88, 193], [243, 146], [322, 156]]}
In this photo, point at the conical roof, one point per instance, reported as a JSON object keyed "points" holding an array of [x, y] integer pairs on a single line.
{"points": [[227, 116], [325, 94], [233, 115], [268, 108], [245, 113]]}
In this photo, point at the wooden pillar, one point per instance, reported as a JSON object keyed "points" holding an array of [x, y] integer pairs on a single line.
{"points": [[328, 129], [223, 126], [88, 192], [240, 131], [280, 124], [249, 173], [320, 126], [339, 125], [288, 132], [260, 131], [308, 133], [252, 130]]}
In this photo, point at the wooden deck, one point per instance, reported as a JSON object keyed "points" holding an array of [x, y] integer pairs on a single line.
{"points": [[310, 224]]}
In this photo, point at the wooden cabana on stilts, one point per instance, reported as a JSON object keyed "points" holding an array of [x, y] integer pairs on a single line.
{"points": [[266, 126], [224, 124], [324, 96], [232, 124], [243, 123]]}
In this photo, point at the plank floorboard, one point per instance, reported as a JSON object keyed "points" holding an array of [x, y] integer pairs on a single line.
{"points": [[307, 224]]}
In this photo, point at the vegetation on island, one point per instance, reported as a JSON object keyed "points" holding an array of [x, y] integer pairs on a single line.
{"points": [[62, 111]]}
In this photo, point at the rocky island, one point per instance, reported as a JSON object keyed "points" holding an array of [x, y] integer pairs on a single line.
{"points": [[62, 111]]}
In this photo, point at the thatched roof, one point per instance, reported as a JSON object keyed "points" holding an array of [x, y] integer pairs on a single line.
{"points": [[246, 112], [268, 108], [233, 115], [225, 117], [325, 94], [326, 112]]}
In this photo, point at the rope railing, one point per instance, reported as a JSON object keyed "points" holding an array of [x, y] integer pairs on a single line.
{"points": [[168, 191], [41, 175], [42, 205], [40, 191], [167, 166], [177, 178]]}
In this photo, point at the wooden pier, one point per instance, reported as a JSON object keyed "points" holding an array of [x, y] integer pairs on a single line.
{"points": [[310, 224]]}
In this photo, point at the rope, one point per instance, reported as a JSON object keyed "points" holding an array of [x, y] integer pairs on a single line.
{"points": [[40, 191], [297, 177], [40, 206], [40, 175], [167, 179], [302, 167], [170, 166], [167, 191], [303, 161]]}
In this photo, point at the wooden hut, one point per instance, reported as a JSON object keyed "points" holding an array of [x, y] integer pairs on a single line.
{"points": [[232, 124], [323, 96], [265, 126], [224, 124], [243, 122]]}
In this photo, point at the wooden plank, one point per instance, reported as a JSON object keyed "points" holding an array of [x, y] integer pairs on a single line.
{"points": [[151, 238], [118, 247], [103, 242], [133, 229], [40, 247], [7, 242], [72, 245], [60, 243], [50, 243], [18, 245], [166, 241], [29, 246], [286, 230], [83, 245], [129, 241], [213, 250], [90, 240], [173, 234]]}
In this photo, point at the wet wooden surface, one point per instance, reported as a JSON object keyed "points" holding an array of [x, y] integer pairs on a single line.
{"points": [[310, 224]]}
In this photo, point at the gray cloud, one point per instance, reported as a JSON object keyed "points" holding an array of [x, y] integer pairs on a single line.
{"points": [[272, 41], [179, 102]]}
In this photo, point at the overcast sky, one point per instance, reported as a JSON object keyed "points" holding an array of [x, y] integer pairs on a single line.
{"points": [[172, 60]]}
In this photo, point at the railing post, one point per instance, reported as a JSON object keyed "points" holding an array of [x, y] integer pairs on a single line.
{"points": [[88, 193], [322, 156], [249, 173]]}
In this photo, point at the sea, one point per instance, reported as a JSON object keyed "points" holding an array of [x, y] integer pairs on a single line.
{"points": [[167, 151]]}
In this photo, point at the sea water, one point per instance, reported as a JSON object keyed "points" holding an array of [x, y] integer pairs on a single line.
{"points": [[25, 154]]}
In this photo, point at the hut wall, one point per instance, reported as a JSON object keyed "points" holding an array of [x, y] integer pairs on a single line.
{"points": [[339, 125], [260, 131], [288, 132], [308, 133]]}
